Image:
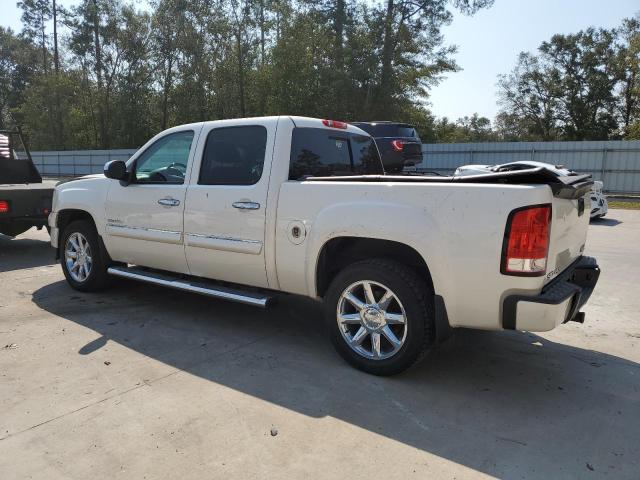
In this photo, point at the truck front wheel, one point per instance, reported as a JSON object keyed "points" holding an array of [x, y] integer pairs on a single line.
{"points": [[81, 256], [380, 316]]}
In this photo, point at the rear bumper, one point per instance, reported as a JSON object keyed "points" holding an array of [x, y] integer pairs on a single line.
{"points": [[13, 226], [30, 220], [559, 301]]}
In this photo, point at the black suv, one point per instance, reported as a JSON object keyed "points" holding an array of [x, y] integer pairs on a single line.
{"points": [[399, 143]]}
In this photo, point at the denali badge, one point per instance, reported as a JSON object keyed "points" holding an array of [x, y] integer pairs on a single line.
{"points": [[553, 272]]}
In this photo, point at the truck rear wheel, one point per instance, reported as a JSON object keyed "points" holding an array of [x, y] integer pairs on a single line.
{"points": [[81, 256], [380, 316]]}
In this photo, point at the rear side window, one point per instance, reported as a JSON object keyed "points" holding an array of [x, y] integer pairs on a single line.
{"points": [[318, 152], [233, 156]]}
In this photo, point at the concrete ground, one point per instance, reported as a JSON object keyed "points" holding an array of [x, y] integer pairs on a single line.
{"points": [[141, 382]]}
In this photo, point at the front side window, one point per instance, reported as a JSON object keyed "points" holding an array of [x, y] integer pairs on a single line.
{"points": [[166, 160], [318, 152], [234, 156]]}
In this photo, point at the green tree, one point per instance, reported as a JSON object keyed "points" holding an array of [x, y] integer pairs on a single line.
{"points": [[628, 63], [474, 128], [531, 96], [19, 65], [35, 15], [581, 86], [120, 74], [413, 57]]}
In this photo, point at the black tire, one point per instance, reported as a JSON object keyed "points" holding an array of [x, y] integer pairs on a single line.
{"points": [[98, 278], [414, 293]]}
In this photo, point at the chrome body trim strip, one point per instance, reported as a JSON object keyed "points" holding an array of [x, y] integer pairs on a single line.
{"points": [[229, 244], [142, 233]]}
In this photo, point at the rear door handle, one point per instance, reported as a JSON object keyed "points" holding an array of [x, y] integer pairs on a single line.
{"points": [[169, 202], [246, 205]]}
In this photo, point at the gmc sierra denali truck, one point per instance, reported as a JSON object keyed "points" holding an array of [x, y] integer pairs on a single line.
{"points": [[242, 209]]}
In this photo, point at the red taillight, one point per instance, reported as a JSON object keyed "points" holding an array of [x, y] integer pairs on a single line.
{"points": [[526, 242], [4, 206], [397, 145], [334, 124]]}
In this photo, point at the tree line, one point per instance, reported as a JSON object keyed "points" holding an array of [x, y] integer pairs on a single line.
{"points": [[582, 86], [109, 74], [105, 74]]}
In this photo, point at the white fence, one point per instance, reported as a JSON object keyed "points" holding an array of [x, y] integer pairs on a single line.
{"points": [[617, 163], [73, 163]]}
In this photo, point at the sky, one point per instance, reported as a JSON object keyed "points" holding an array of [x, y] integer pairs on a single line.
{"points": [[488, 43]]}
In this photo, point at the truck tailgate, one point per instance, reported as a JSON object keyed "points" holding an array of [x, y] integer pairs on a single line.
{"points": [[569, 224]]}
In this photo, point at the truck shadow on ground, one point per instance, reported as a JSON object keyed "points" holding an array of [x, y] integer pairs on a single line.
{"points": [[507, 404], [18, 253]]}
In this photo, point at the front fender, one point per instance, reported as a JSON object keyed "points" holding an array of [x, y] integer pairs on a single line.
{"points": [[88, 195]]}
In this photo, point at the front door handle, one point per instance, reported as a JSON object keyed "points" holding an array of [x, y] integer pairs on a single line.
{"points": [[169, 202], [246, 205]]}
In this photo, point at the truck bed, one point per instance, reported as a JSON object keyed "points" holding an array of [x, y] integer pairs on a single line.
{"points": [[567, 187]]}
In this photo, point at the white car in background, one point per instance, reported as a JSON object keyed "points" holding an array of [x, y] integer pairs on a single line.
{"points": [[599, 204]]}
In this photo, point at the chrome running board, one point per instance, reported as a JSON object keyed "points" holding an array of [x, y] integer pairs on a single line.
{"points": [[202, 287]]}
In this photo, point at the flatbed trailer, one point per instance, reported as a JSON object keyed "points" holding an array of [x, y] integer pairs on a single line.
{"points": [[25, 199]]}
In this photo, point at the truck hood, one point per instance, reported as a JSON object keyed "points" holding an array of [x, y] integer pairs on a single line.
{"points": [[78, 179]]}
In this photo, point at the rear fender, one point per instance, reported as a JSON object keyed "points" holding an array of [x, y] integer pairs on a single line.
{"points": [[411, 226]]}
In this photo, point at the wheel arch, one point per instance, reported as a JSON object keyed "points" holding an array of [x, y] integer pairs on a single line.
{"points": [[339, 252], [68, 215]]}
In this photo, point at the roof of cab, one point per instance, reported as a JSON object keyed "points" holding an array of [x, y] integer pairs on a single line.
{"points": [[308, 122], [305, 122]]}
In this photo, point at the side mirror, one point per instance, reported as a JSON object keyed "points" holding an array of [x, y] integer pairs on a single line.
{"points": [[115, 169]]}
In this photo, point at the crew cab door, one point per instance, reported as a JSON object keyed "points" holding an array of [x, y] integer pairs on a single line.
{"points": [[145, 217], [224, 218]]}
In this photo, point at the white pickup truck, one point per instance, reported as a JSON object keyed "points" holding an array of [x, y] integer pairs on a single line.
{"points": [[242, 209]]}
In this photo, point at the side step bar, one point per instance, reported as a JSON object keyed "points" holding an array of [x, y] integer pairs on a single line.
{"points": [[202, 287]]}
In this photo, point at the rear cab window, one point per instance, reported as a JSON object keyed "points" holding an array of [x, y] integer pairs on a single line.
{"points": [[320, 152]]}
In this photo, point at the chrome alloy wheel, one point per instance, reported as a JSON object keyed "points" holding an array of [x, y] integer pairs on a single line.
{"points": [[372, 320], [77, 255]]}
